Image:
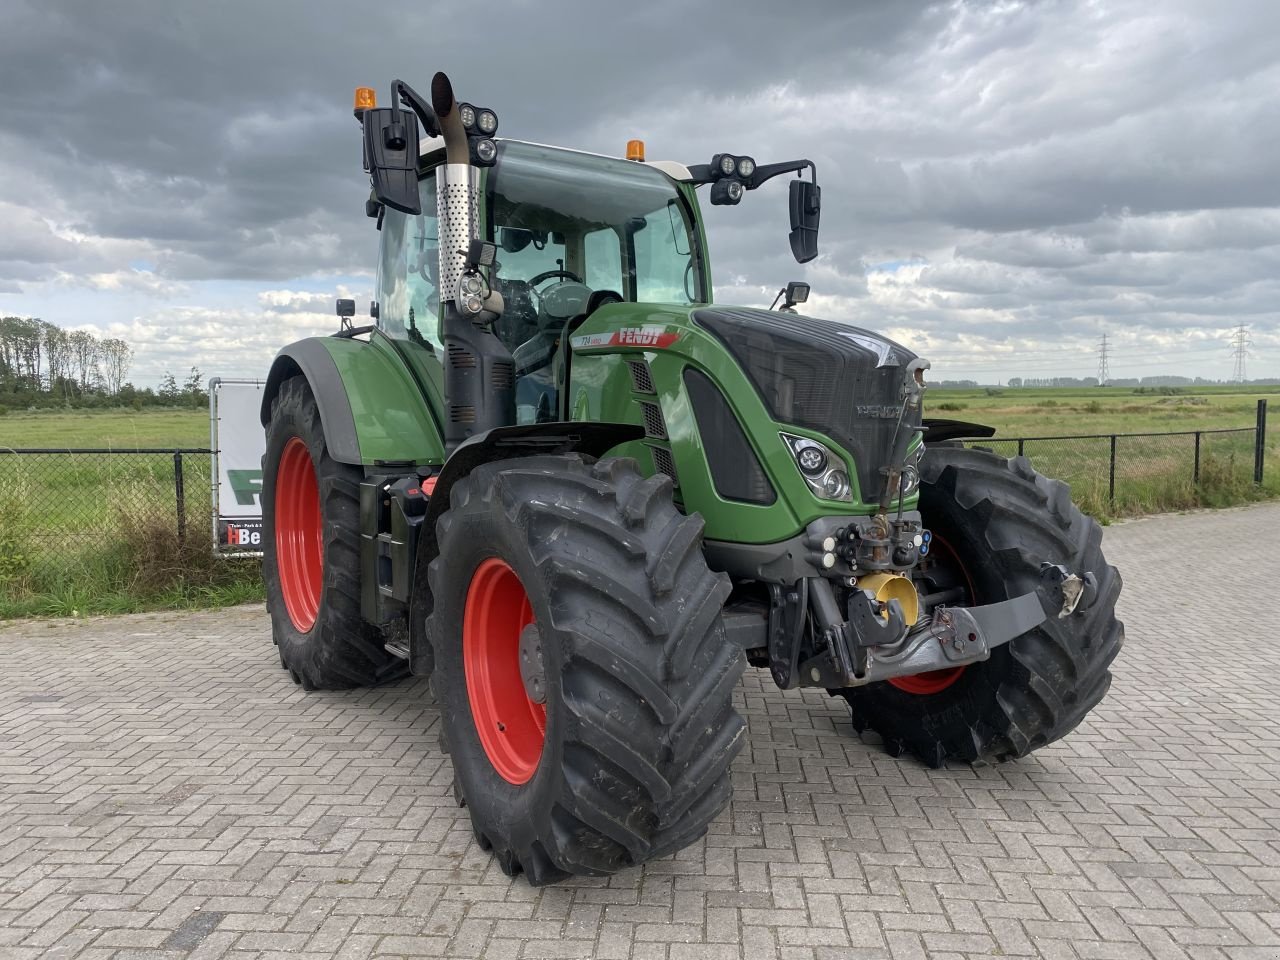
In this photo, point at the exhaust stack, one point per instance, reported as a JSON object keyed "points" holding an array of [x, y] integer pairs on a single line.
{"points": [[479, 374]]}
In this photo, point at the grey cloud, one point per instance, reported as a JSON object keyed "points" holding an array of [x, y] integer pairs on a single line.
{"points": [[1045, 165]]}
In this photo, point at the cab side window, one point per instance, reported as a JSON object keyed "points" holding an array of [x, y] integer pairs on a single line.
{"points": [[408, 300]]}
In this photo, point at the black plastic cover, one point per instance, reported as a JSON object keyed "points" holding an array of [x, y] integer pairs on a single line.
{"points": [[838, 379], [735, 468]]}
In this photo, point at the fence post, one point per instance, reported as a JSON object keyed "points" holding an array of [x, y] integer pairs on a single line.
{"points": [[1111, 483], [1195, 473], [180, 496], [1021, 443], [1260, 442]]}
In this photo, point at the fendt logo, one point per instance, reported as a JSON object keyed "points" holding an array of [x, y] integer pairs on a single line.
{"points": [[627, 337], [878, 411]]}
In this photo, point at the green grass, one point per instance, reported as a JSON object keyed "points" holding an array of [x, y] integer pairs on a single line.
{"points": [[1152, 474], [99, 533], [1036, 412], [117, 429]]}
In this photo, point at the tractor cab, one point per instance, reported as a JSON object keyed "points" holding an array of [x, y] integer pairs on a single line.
{"points": [[573, 232]]}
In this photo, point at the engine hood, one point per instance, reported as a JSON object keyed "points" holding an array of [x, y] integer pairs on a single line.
{"points": [[837, 379]]}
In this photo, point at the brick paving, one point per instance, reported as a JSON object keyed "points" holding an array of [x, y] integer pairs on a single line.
{"points": [[166, 791]]}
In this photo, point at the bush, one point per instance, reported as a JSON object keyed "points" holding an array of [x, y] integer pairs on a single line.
{"points": [[3, 409], [994, 392], [952, 405], [1047, 403]]}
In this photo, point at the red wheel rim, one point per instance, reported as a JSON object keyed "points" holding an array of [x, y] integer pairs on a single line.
{"points": [[512, 728], [299, 534], [935, 681]]}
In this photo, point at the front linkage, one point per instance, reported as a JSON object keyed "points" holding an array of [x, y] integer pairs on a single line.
{"points": [[874, 641]]}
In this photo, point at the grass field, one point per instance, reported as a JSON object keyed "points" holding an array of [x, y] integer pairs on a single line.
{"points": [[99, 534], [118, 429]]}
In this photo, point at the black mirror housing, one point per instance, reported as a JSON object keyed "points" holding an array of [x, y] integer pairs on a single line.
{"points": [[805, 202], [391, 157]]}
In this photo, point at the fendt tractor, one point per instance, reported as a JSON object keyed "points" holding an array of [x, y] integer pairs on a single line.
{"points": [[554, 475]]}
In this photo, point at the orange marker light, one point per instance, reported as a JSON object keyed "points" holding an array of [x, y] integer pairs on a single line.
{"points": [[366, 99], [635, 150]]}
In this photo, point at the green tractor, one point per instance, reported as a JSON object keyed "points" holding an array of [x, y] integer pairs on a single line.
{"points": [[559, 479]]}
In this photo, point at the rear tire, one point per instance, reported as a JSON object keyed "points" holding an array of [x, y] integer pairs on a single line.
{"points": [[1002, 519], [311, 553], [629, 758]]}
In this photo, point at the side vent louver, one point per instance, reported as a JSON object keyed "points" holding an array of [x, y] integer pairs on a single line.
{"points": [[654, 426], [461, 356], [503, 375], [641, 378], [663, 462]]}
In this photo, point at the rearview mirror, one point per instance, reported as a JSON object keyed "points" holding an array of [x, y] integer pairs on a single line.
{"points": [[806, 208], [391, 157], [514, 239]]}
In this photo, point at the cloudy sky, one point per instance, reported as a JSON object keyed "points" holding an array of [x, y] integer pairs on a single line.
{"points": [[1003, 182]]}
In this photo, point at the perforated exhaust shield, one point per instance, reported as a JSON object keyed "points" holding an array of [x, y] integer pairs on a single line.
{"points": [[457, 206]]}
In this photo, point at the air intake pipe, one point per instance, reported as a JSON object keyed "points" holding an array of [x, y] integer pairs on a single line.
{"points": [[479, 374]]}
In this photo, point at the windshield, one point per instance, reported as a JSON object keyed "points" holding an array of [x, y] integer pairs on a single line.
{"points": [[606, 223]]}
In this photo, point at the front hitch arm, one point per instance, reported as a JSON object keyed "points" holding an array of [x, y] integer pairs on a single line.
{"points": [[875, 644]]}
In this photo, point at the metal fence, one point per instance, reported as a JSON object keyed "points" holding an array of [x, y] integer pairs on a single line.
{"points": [[60, 500]]}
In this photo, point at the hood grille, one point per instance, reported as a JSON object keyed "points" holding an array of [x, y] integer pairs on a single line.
{"points": [[840, 380]]}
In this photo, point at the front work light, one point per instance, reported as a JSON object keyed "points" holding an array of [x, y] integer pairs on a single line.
{"points": [[822, 470], [487, 121], [746, 167], [728, 164], [467, 114], [726, 192]]}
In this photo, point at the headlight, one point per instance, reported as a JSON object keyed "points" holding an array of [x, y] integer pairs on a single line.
{"points": [[487, 121], [728, 163], [746, 166], [821, 469], [734, 191], [835, 485], [467, 114]]}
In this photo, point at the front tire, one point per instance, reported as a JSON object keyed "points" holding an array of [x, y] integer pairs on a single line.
{"points": [[589, 574], [1000, 520], [311, 553]]}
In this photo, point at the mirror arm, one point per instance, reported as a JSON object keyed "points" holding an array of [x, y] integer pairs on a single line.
{"points": [[401, 91], [701, 173], [771, 170]]}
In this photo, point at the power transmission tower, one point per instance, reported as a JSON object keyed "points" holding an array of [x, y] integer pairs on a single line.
{"points": [[1104, 373], [1240, 344]]}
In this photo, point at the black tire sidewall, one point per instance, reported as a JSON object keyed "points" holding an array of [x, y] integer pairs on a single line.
{"points": [[495, 800], [288, 420], [966, 702]]}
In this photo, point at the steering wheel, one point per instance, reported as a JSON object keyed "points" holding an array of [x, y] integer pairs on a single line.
{"points": [[548, 274]]}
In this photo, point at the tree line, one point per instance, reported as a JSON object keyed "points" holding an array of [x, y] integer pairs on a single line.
{"points": [[43, 365]]}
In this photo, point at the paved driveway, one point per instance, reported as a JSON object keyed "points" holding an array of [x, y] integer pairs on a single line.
{"points": [[166, 791]]}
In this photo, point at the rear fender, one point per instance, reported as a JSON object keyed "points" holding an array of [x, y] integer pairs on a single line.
{"points": [[372, 405]]}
